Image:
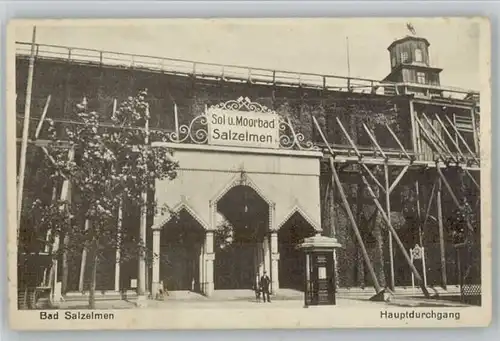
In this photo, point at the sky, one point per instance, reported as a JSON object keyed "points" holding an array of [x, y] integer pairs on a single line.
{"points": [[299, 45]]}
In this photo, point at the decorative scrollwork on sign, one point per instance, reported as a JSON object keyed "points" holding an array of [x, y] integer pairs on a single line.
{"points": [[289, 139], [243, 104], [196, 132]]}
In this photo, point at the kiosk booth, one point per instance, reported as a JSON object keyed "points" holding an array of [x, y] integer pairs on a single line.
{"points": [[320, 288]]}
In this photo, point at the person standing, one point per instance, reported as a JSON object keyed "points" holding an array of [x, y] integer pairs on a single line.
{"points": [[265, 282]]}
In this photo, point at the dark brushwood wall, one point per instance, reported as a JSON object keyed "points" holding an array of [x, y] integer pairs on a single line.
{"points": [[68, 84]]}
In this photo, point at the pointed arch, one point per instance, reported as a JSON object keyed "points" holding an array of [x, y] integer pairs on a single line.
{"points": [[177, 209], [297, 209], [240, 179]]}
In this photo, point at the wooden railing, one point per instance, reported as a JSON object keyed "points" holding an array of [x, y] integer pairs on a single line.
{"points": [[230, 73]]}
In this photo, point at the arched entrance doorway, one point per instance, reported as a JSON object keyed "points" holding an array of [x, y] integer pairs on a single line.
{"points": [[292, 261], [181, 243], [240, 243]]}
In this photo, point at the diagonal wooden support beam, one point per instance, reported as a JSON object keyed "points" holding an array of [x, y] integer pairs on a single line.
{"points": [[398, 179], [354, 226], [371, 135], [458, 149], [472, 178], [323, 137], [353, 145], [463, 140], [438, 138], [393, 134], [447, 132], [396, 237], [431, 140], [437, 146], [429, 205], [42, 118], [453, 196], [373, 177], [51, 159], [348, 137]]}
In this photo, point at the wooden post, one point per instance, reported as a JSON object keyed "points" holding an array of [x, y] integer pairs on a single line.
{"points": [[474, 129], [331, 207], [325, 204], [396, 237], [66, 195], [48, 247], [354, 226], [24, 141], [441, 235], [67, 81], [414, 129], [176, 120], [419, 215], [54, 273], [388, 207], [83, 263], [65, 261], [141, 282], [118, 227], [118, 246], [453, 197], [360, 271], [333, 228]]}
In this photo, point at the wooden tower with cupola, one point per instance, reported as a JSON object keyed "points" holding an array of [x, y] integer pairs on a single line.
{"points": [[411, 68]]}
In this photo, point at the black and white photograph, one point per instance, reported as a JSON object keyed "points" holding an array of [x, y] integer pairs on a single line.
{"points": [[249, 173]]}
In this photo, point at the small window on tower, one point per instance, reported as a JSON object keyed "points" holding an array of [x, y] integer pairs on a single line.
{"points": [[404, 57], [393, 61], [421, 77], [418, 55]]}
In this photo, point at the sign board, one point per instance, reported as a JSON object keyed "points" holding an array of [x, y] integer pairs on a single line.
{"points": [[321, 272], [243, 128]]}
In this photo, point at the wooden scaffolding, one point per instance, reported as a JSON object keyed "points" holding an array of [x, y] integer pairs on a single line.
{"points": [[445, 157]]}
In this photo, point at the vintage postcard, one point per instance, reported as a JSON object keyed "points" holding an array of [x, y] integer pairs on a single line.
{"points": [[249, 173]]}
